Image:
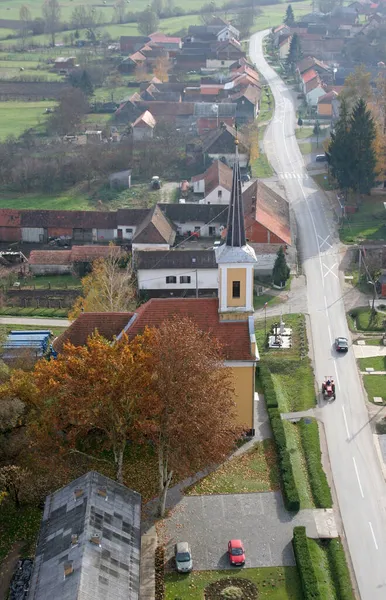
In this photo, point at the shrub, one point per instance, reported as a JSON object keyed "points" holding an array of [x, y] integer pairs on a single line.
{"points": [[290, 492], [318, 481], [268, 387], [304, 564], [339, 570], [380, 426]]}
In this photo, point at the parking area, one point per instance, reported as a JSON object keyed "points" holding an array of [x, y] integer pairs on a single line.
{"points": [[259, 520]]}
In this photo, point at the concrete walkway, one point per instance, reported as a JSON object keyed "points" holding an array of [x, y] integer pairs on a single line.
{"points": [[368, 351], [296, 416], [147, 570], [35, 321]]}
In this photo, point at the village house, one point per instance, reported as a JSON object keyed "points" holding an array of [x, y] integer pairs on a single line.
{"points": [[65, 64], [247, 104], [278, 32], [165, 41], [60, 262], [228, 33], [132, 43], [215, 184], [310, 62], [312, 87], [284, 46], [143, 127], [180, 273], [206, 220], [209, 115], [156, 232], [90, 539], [228, 318], [326, 104], [220, 145]]}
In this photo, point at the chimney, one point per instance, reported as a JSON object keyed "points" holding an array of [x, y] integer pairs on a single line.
{"points": [[102, 491], [68, 568], [78, 493]]}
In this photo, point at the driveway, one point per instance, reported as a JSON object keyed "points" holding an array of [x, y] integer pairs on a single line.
{"points": [[368, 351], [259, 520]]}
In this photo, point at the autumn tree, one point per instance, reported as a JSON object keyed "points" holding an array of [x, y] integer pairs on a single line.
{"points": [[26, 23], [141, 73], [109, 287], [357, 85], [14, 481], [188, 412], [94, 388], [51, 15], [67, 116], [162, 67]]}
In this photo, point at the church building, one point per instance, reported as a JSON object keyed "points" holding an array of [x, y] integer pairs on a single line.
{"points": [[229, 318]]}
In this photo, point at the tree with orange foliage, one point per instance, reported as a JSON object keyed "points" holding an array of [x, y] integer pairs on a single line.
{"points": [[141, 73], [161, 68], [93, 388], [189, 409]]}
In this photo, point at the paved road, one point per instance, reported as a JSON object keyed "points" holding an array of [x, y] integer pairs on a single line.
{"points": [[358, 480], [34, 321]]}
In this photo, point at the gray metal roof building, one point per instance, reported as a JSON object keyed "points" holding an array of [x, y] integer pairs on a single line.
{"points": [[89, 543]]}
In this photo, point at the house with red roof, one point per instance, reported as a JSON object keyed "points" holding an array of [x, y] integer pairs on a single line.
{"points": [[143, 127], [215, 184], [284, 45], [312, 86], [228, 318]]}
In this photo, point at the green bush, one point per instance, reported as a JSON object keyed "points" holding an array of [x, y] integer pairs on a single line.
{"points": [[318, 481], [268, 387], [290, 492], [304, 565], [339, 570]]}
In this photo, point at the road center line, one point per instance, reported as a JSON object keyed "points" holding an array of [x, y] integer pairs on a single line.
{"points": [[329, 329], [345, 422], [372, 533], [357, 474]]}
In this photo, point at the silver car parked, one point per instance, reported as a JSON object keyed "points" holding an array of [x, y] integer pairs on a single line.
{"points": [[183, 555]]}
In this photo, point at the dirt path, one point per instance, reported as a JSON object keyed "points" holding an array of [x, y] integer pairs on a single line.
{"points": [[7, 568]]}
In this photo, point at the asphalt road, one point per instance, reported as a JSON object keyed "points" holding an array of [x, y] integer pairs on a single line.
{"points": [[360, 487], [39, 322]]}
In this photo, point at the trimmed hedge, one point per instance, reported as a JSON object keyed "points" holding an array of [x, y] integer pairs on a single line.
{"points": [[290, 492], [339, 570], [320, 489], [304, 564], [268, 387]]}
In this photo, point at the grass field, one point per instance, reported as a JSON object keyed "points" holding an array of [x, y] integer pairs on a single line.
{"points": [[273, 583], [378, 363], [16, 117], [365, 321], [368, 223], [51, 281], [70, 200], [254, 471], [375, 386]]}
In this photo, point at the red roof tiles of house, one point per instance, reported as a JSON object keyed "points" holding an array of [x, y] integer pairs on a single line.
{"points": [[10, 217], [217, 174], [309, 75], [109, 325], [328, 98], [50, 257], [233, 335], [271, 210], [90, 253]]}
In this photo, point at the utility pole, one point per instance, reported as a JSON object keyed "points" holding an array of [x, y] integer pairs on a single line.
{"points": [[360, 264], [196, 283]]}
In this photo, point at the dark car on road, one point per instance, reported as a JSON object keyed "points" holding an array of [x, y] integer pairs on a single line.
{"points": [[341, 344]]}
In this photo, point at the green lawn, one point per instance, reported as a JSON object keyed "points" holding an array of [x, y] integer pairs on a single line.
{"points": [[16, 117], [267, 106], [320, 562], [378, 363], [304, 132], [273, 583], [70, 200], [254, 471], [18, 525], [259, 301], [261, 168], [368, 223], [299, 466], [324, 182], [51, 281], [373, 341], [366, 321], [51, 313], [375, 386], [117, 94]]}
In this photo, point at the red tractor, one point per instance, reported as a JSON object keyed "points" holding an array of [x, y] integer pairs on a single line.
{"points": [[328, 388]]}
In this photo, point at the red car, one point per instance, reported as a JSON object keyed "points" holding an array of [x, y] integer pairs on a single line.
{"points": [[236, 552]]}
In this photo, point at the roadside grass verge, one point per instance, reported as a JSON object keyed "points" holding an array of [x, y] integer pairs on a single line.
{"points": [[373, 341], [17, 311], [302, 133], [322, 567], [261, 168], [21, 524], [324, 181], [375, 385], [309, 436], [378, 363], [368, 223], [254, 471], [273, 583], [363, 319], [259, 301]]}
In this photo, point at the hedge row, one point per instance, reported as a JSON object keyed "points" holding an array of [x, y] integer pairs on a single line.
{"points": [[318, 481], [339, 570], [268, 387], [290, 492], [304, 564]]}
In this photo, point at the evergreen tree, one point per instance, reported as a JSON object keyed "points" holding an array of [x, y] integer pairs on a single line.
{"points": [[281, 270], [289, 18], [362, 136], [339, 152], [82, 81], [295, 52]]}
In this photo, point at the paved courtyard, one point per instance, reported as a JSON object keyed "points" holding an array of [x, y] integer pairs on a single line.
{"points": [[259, 520]]}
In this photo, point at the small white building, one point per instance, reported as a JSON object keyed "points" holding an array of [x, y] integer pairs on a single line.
{"points": [[228, 33], [120, 180], [143, 127], [206, 220], [177, 273], [215, 184]]}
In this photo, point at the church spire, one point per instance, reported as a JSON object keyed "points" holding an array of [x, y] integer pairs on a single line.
{"points": [[235, 227]]}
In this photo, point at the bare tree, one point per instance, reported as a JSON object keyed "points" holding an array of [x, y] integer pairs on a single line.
{"points": [[26, 20], [119, 11], [68, 114], [51, 15]]}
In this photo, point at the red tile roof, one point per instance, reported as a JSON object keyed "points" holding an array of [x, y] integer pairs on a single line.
{"points": [[90, 253], [308, 75], [272, 211], [50, 257], [328, 98], [217, 174], [10, 217], [233, 335], [109, 325]]}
